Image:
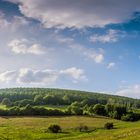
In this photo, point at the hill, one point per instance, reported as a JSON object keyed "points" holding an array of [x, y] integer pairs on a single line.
{"points": [[68, 96], [60, 102]]}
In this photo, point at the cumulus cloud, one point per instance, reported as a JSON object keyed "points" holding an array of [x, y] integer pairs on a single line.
{"points": [[14, 23], [111, 65], [7, 76], [111, 36], [94, 55], [23, 46], [79, 13], [130, 91], [47, 76], [75, 73], [17, 22], [37, 76], [3, 22]]}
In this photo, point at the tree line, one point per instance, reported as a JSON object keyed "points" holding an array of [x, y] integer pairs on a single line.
{"points": [[30, 101], [45, 96]]}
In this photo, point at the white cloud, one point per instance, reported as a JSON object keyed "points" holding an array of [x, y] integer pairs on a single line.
{"points": [[111, 65], [24, 46], [17, 22], [37, 76], [89, 53], [13, 24], [67, 40], [47, 76], [75, 73], [97, 57], [94, 55], [130, 91], [3, 22], [20, 20], [111, 36], [79, 13], [7, 76]]}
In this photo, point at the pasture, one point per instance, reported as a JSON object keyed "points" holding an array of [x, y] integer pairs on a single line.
{"points": [[35, 128]]}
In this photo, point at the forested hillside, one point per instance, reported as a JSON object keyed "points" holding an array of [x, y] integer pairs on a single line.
{"points": [[59, 102], [63, 97]]}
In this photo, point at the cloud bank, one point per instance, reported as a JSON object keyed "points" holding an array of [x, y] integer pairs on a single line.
{"points": [[47, 76], [79, 13], [130, 91]]}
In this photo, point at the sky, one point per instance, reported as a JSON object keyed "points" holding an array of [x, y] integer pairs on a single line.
{"points": [[91, 45]]}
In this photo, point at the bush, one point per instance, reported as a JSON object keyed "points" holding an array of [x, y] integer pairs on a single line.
{"points": [[54, 128], [109, 126], [83, 128], [127, 117], [130, 117]]}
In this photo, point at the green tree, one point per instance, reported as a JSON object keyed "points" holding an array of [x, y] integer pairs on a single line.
{"points": [[6, 102], [38, 99], [99, 109]]}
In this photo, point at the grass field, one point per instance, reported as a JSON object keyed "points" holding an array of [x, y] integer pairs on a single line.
{"points": [[3, 107], [61, 107], [35, 128]]}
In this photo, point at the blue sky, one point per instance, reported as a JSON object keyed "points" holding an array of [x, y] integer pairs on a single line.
{"points": [[91, 45]]}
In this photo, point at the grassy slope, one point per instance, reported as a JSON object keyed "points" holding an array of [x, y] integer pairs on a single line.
{"points": [[34, 128], [61, 107]]}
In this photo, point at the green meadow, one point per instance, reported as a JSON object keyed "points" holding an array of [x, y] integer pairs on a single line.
{"points": [[35, 128], [27, 113]]}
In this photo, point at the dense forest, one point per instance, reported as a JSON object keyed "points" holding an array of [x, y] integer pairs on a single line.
{"points": [[32, 101]]}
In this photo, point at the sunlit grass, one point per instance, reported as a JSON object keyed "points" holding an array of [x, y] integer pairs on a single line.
{"points": [[60, 107], [3, 106], [35, 128]]}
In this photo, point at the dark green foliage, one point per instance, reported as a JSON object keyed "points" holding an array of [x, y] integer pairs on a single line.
{"points": [[4, 112], [75, 109], [109, 126], [64, 97], [29, 110], [99, 109], [90, 101], [115, 111], [14, 111], [32, 101], [119, 111], [53, 100], [109, 108], [38, 99], [23, 103], [54, 128], [6, 102], [83, 128], [131, 117]]}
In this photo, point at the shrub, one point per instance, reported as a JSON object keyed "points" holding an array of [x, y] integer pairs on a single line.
{"points": [[127, 117], [54, 128], [108, 126], [130, 117], [83, 128]]}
